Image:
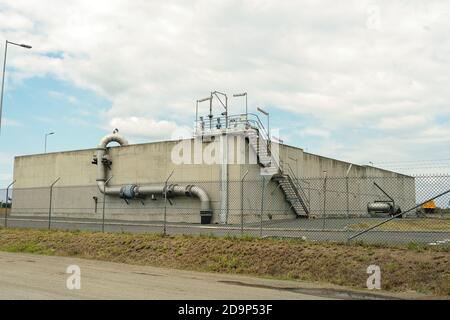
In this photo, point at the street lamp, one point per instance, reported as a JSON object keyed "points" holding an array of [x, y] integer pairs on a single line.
{"points": [[268, 120], [3, 77], [244, 94], [196, 111], [45, 144], [225, 105]]}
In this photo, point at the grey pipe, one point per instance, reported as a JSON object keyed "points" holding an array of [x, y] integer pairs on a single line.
{"points": [[101, 156], [173, 190], [176, 190]]}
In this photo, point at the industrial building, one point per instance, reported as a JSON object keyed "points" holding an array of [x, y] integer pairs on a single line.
{"points": [[231, 168]]}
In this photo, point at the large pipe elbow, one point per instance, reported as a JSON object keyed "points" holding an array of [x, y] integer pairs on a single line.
{"points": [[204, 198], [103, 161], [114, 137], [101, 170]]}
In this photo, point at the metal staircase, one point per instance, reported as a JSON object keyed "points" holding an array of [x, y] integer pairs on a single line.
{"points": [[288, 182], [294, 194], [263, 152], [258, 138]]}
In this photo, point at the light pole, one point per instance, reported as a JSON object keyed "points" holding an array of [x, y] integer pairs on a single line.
{"points": [[45, 143], [225, 105], [244, 94], [269, 143], [196, 111], [3, 77], [268, 120]]}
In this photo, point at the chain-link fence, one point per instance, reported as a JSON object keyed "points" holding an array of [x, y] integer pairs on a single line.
{"points": [[390, 210]]}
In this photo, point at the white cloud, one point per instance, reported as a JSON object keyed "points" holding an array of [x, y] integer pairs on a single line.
{"points": [[152, 59], [404, 122], [60, 95], [11, 122], [315, 132], [138, 127]]}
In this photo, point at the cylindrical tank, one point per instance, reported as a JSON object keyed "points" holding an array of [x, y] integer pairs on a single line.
{"points": [[380, 208]]}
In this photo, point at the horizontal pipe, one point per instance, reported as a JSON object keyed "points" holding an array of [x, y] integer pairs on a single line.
{"points": [[173, 190]]}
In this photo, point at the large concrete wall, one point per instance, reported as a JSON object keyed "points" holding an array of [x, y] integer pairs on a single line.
{"points": [[349, 187], [149, 163]]}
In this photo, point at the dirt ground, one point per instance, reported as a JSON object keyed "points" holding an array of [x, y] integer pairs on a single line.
{"points": [[403, 268]]}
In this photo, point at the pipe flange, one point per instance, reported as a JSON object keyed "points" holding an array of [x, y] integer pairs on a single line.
{"points": [[188, 190], [128, 191], [170, 190]]}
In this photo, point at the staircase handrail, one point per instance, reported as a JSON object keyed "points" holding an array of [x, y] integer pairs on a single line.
{"points": [[294, 178]]}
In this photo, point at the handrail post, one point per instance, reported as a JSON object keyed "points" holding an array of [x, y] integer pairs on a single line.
{"points": [[165, 203], [242, 203], [6, 203], [50, 203], [104, 203]]}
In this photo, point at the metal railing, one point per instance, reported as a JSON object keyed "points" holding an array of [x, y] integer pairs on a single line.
{"points": [[296, 181], [241, 123]]}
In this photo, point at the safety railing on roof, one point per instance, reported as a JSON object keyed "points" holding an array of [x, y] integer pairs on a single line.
{"points": [[216, 125]]}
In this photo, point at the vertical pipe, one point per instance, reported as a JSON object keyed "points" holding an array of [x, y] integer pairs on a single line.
{"points": [[7, 199], [50, 204], [262, 207], [3, 84], [104, 203], [242, 203], [165, 204]]}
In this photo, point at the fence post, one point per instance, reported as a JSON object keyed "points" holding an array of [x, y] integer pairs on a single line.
{"points": [[262, 207], [165, 203], [348, 197], [348, 189], [6, 203], [50, 203], [104, 203], [242, 203], [324, 198]]}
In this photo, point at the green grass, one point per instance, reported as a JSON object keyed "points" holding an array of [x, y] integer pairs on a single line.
{"points": [[31, 247], [404, 267]]}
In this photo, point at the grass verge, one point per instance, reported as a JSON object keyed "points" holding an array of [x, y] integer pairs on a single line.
{"points": [[404, 268], [407, 225]]}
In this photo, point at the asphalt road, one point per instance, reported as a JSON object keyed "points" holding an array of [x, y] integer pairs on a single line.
{"points": [[27, 276], [335, 229], [30, 277]]}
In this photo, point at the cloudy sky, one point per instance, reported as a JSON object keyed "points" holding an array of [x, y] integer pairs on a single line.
{"points": [[363, 81]]}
